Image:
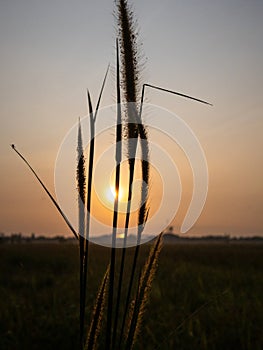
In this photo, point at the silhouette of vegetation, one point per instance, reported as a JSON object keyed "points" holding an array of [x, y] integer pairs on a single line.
{"points": [[129, 126]]}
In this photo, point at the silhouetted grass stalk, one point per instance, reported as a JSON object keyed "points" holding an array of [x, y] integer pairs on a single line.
{"points": [[118, 156], [143, 292], [134, 131], [48, 192], [86, 234], [130, 79], [97, 316], [81, 185], [143, 212]]}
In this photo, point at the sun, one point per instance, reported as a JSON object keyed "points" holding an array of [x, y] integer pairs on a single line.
{"points": [[111, 194]]}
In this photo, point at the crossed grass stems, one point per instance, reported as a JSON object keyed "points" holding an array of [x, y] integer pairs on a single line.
{"points": [[130, 128], [145, 278]]}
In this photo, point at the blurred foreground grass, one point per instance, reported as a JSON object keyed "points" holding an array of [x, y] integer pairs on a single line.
{"points": [[39, 296]]}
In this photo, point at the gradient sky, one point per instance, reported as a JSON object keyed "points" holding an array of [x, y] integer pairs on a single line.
{"points": [[51, 51]]}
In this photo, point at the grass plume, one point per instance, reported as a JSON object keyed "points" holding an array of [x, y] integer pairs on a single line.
{"points": [[81, 185], [128, 51], [97, 315], [131, 129], [143, 292], [134, 129]]}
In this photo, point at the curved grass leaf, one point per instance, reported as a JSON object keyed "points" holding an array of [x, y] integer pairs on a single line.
{"points": [[47, 191]]}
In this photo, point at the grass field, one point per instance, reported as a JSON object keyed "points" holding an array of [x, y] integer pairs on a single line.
{"points": [[223, 282]]}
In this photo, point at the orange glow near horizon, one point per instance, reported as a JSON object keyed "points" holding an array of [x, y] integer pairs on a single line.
{"points": [[104, 195]]}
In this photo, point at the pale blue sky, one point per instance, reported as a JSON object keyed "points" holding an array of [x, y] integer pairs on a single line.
{"points": [[51, 51]]}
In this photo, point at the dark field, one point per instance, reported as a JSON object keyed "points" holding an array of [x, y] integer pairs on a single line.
{"points": [[223, 282]]}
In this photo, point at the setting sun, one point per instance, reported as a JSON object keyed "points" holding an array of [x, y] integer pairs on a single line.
{"points": [[111, 194]]}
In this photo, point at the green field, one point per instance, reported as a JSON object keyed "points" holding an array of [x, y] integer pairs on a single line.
{"points": [[223, 283]]}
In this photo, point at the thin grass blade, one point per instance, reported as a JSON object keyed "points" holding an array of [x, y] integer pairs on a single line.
{"points": [[101, 91], [178, 93], [118, 156], [89, 198], [48, 192]]}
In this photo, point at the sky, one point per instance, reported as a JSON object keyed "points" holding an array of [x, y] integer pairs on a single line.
{"points": [[52, 51]]}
